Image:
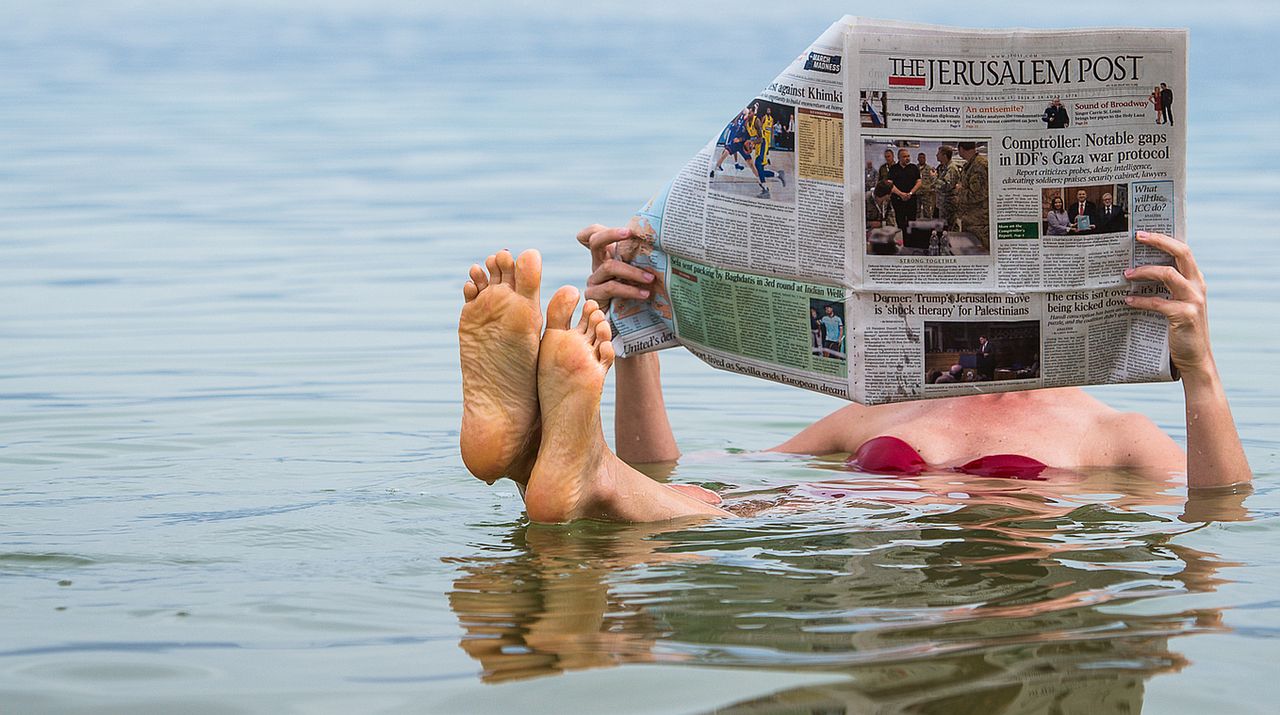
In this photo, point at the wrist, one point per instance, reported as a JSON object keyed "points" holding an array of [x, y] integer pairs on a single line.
{"points": [[638, 362], [1201, 375]]}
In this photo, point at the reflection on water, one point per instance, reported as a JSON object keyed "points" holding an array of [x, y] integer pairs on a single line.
{"points": [[979, 606]]}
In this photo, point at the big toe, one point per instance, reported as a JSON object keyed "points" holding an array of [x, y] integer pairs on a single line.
{"points": [[560, 309], [529, 274]]}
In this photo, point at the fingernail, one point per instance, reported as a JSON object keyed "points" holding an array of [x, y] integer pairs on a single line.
{"points": [[623, 232], [1128, 272], [1141, 234], [644, 294], [1128, 299], [648, 276]]}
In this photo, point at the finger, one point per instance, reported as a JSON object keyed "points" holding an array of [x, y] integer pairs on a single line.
{"points": [[588, 308], [1155, 304], [469, 291], [1178, 285], [507, 264], [615, 269], [609, 290], [478, 277], [600, 239], [584, 236], [1181, 252]]}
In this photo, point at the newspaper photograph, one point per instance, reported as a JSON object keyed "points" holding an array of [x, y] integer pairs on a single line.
{"points": [[966, 230]]}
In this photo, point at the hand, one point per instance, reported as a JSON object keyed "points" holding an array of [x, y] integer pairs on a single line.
{"points": [[611, 277], [1185, 308]]}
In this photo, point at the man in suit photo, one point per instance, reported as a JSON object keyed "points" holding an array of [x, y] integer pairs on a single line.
{"points": [[1111, 218], [1166, 103], [1083, 207]]}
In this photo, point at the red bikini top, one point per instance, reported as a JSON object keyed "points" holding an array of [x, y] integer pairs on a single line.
{"points": [[890, 455]]}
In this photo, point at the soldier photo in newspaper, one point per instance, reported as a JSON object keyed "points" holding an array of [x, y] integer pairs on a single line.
{"points": [[915, 210]]}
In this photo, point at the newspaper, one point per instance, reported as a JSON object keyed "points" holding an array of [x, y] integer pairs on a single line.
{"points": [[800, 245]]}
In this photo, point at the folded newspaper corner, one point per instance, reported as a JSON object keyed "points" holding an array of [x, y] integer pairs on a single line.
{"points": [[913, 211]]}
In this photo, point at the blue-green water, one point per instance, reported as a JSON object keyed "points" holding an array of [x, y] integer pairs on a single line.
{"points": [[232, 241]]}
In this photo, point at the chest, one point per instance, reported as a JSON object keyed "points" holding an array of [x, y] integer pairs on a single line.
{"points": [[947, 437]]}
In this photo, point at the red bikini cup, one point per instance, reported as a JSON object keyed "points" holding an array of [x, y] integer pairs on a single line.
{"points": [[890, 455]]}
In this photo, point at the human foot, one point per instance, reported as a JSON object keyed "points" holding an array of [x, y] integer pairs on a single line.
{"points": [[498, 336], [575, 475], [572, 363]]}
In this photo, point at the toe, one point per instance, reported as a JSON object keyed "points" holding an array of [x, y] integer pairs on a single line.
{"points": [[604, 350], [560, 309], [495, 275], [584, 322], [600, 330], [470, 291], [507, 267], [478, 277], [529, 274]]}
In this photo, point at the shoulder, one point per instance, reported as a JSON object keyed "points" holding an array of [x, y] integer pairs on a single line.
{"points": [[841, 431], [1130, 439]]}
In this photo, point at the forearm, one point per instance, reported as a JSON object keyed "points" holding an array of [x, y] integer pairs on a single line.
{"points": [[642, 432], [1215, 456]]}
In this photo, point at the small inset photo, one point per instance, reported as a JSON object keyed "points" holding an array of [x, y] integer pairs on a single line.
{"points": [[926, 197], [826, 328], [875, 109], [1083, 210], [981, 351], [755, 155], [1161, 101], [1055, 115]]}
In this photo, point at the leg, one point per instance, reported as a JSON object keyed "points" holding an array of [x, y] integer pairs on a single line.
{"points": [[498, 335], [724, 154], [575, 475]]}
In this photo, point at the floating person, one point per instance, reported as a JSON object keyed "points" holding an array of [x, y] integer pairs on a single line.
{"points": [[531, 402]]}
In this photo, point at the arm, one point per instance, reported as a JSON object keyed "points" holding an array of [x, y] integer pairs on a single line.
{"points": [[1215, 456], [831, 434], [1058, 225], [641, 430]]}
